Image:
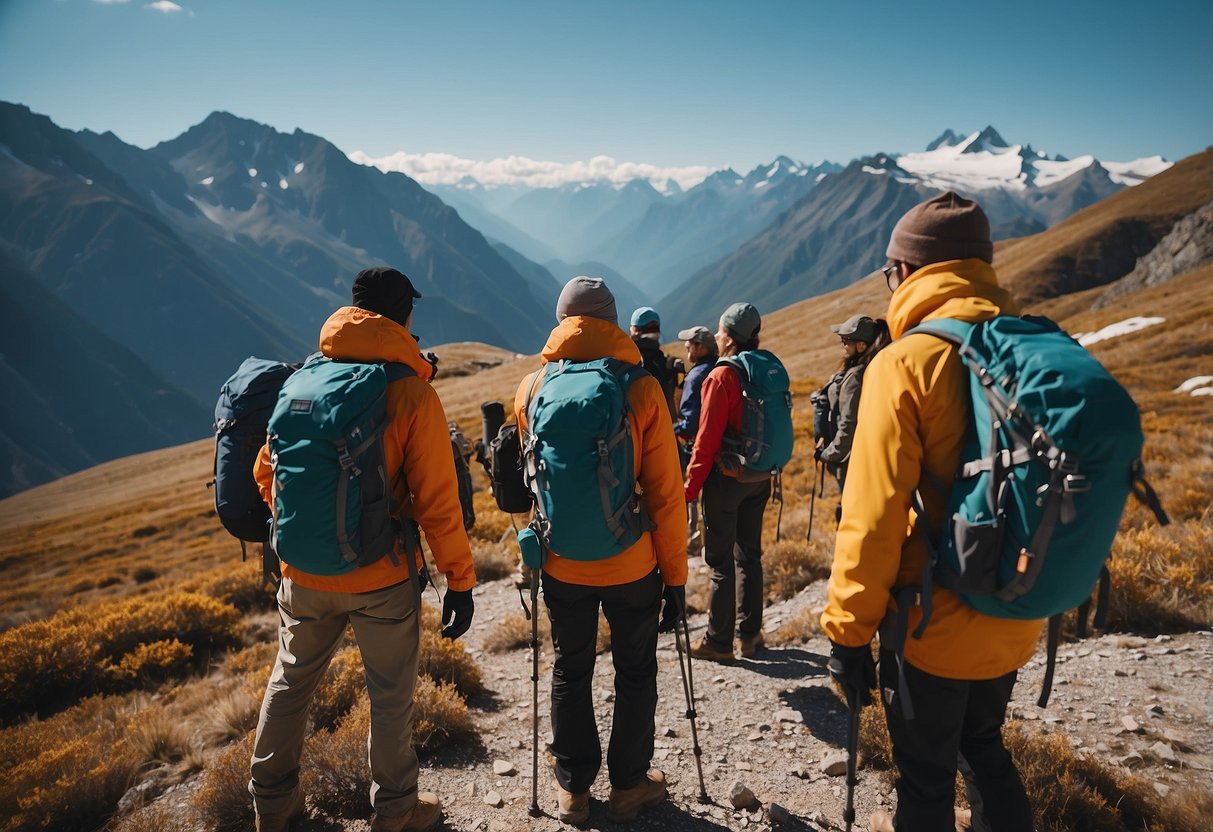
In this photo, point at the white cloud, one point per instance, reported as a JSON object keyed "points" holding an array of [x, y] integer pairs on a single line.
{"points": [[166, 6], [447, 169]]}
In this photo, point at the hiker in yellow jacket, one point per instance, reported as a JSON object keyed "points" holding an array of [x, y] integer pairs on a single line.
{"points": [[627, 586], [378, 599], [912, 418]]}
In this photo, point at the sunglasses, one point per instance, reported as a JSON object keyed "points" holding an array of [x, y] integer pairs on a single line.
{"points": [[889, 271]]}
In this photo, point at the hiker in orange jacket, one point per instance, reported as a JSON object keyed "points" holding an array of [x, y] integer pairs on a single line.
{"points": [[910, 431], [627, 586], [378, 599]]}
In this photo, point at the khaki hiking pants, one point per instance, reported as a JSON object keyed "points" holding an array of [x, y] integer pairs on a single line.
{"points": [[387, 628]]}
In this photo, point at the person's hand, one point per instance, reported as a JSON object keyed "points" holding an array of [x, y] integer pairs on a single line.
{"points": [[457, 610], [817, 452], [674, 601], [854, 671]]}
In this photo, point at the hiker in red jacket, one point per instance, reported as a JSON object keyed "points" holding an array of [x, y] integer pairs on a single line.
{"points": [[732, 508]]}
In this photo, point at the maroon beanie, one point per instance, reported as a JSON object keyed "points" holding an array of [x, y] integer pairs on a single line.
{"points": [[947, 227]]}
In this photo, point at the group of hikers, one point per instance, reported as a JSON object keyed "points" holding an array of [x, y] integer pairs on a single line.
{"points": [[610, 529]]}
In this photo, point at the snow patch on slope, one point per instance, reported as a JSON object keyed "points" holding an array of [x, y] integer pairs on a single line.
{"points": [[1125, 327]]}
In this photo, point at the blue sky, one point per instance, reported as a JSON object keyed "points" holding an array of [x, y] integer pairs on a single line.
{"points": [[668, 83]]}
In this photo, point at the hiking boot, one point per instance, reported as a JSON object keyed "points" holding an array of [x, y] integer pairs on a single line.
{"points": [[424, 815], [880, 822], [626, 804], [703, 650], [281, 821], [751, 646], [573, 809]]}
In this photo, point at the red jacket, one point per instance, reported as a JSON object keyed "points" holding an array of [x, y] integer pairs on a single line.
{"points": [[719, 413]]}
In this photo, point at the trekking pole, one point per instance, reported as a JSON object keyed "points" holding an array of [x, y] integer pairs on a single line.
{"points": [[813, 501], [535, 811], [848, 814], [688, 688]]}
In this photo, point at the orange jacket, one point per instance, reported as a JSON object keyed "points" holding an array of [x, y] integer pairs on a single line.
{"points": [[416, 443], [912, 416], [656, 464]]}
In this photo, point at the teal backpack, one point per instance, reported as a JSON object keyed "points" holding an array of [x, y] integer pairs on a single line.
{"points": [[765, 444], [332, 492], [1052, 451], [578, 456]]}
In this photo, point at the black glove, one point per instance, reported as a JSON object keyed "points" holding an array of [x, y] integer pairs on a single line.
{"points": [[457, 610], [855, 671], [674, 601], [817, 453]]}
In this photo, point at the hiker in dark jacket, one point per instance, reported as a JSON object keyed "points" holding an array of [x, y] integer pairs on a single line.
{"points": [[645, 330], [378, 600], [732, 508], [960, 672], [861, 337], [628, 586], [701, 355]]}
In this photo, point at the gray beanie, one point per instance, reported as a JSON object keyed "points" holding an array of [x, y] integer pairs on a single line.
{"points": [[587, 296], [947, 227]]}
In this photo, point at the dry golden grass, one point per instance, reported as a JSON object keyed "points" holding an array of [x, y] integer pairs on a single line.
{"points": [[493, 561], [158, 817], [799, 629], [343, 683], [230, 716], [514, 633], [223, 801], [67, 773], [440, 715], [1070, 791], [107, 646]]}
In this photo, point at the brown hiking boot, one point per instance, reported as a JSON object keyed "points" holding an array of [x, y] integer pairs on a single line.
{"points": [[424, 815], [281, 821], [626, 804], [573, 809], [751, 646], [703, 650], [880, 822]]}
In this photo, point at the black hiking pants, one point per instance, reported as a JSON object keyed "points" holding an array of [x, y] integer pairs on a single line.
{"points": [[732, 542], [957, 724], [631, 612]]}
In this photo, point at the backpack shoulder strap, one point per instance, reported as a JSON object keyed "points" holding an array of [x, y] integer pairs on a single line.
{"points": [[738, 365], [395, 371], [949, 329]]}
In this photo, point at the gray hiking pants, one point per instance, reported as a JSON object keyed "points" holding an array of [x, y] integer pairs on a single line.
{"points": [[386, 626]]}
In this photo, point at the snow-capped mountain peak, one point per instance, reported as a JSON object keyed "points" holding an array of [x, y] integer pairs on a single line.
{"points": [[984, 161]]}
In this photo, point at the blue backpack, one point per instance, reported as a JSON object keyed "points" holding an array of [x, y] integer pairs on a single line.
{"points": [[766, 440], [333, 499], [578, 456], [242, 414], [1052, 451]]}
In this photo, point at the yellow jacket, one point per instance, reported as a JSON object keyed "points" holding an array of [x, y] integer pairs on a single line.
{"points": [[912, 416], [656, 462], [416, 438]]}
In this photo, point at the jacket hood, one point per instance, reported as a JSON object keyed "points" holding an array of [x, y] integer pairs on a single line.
{"points": [[355, 334], [582, 338], [964, 289]]}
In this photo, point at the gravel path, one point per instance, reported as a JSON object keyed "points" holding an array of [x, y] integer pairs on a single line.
{"points": [[771, 723]]}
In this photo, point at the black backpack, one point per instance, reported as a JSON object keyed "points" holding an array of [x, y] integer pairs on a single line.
{"points": [[661, 367], [242, 414], [462, 451]]}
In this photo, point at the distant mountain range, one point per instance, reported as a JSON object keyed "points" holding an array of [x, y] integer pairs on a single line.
{"points": [[163, 268], [230, 240], [677, 244]]}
